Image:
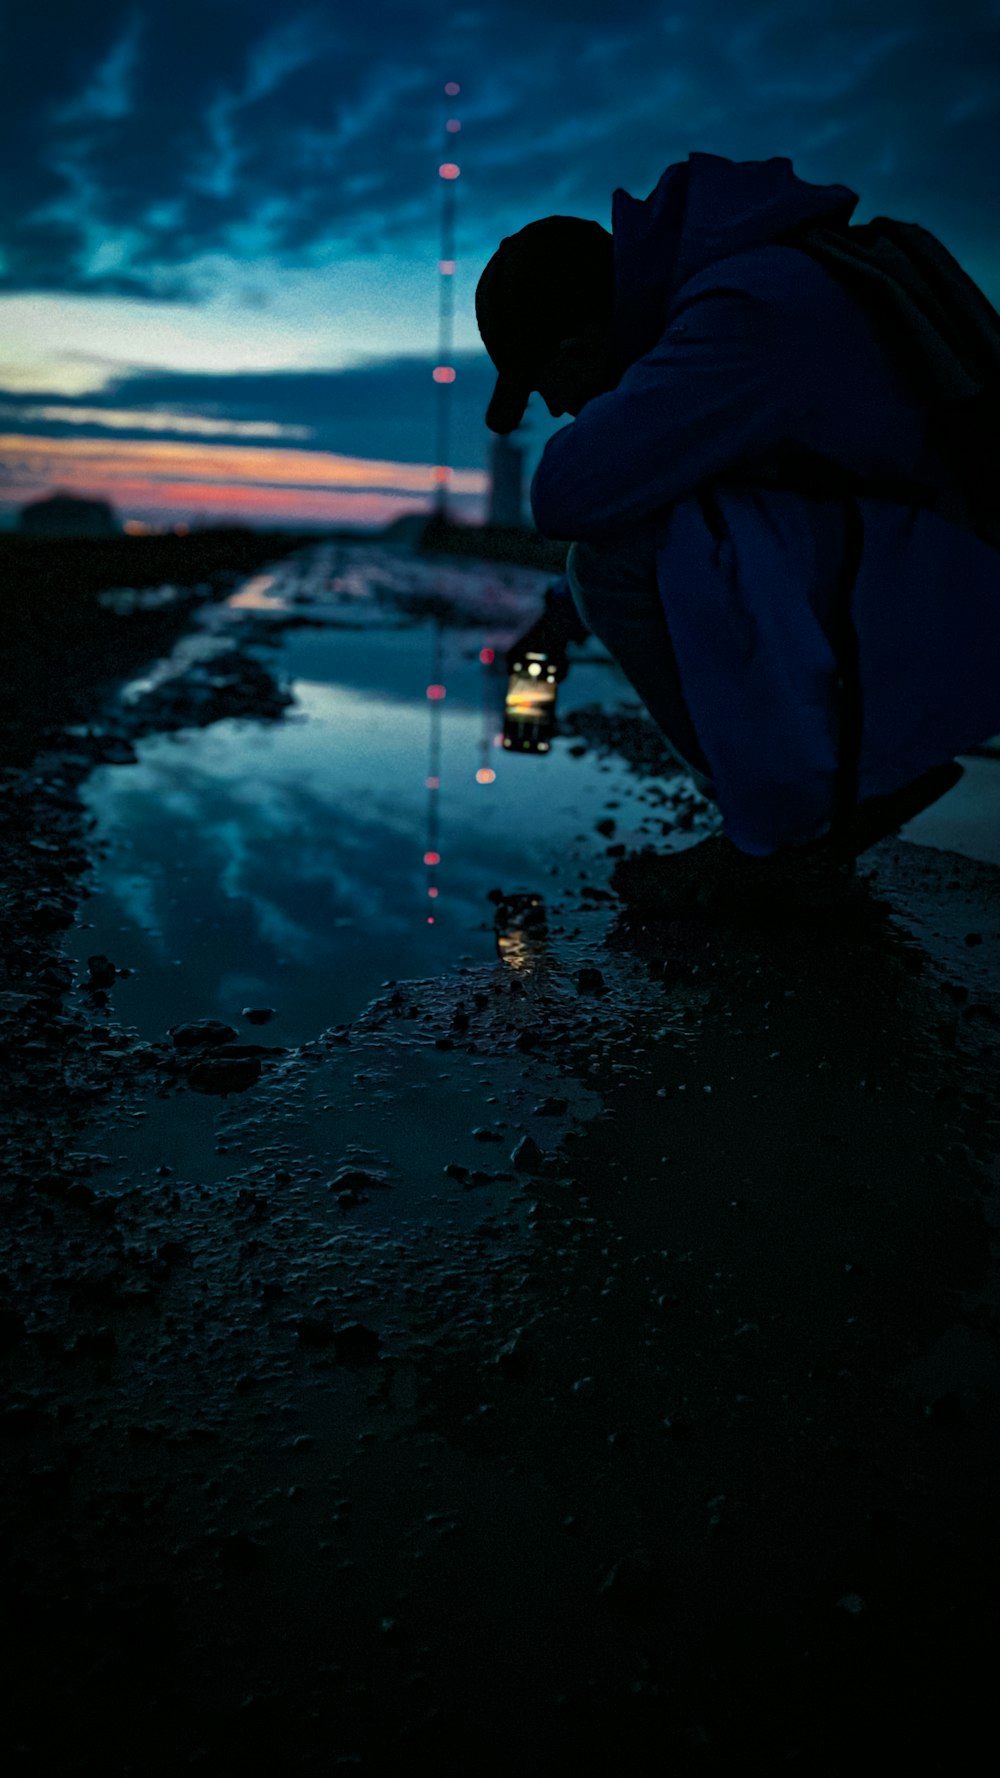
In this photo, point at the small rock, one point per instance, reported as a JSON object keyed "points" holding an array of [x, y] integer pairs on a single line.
{"points": [[173, 1253], [527, 1156], [201, 1034], [356, 1344], [590, 980], [258, 1015], [852, 1603], [515, 1357], [360, 1179], [240, 1550], [102, 1343], [11, 1327], [483, 1133], [13, 1004], [550, 1107], [102, 972], [631, 1584], [224, 1076], [115, 750]]}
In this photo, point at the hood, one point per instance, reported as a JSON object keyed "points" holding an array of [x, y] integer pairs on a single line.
{"points": [[703, 209]]}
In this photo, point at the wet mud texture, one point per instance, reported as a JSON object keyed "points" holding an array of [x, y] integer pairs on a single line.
{"points": [[552, 1371]]}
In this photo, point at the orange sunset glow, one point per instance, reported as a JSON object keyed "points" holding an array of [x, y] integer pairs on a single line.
{"points": [[169, 479]]}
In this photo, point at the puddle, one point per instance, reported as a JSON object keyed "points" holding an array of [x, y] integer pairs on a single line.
{"points": [[967, 820], [302, 864]]}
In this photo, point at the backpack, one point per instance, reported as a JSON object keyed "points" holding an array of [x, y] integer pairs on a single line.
{"points": [[943, 337]]}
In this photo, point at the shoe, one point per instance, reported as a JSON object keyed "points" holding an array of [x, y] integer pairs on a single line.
{"points": [[879, 816], [716, 877], [818, 877]]}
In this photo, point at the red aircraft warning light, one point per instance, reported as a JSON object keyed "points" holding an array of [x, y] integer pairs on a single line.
{"points": [[452, 88], [443, 373], [449, 170], [432, 858], [435, 692], [487, 656]]}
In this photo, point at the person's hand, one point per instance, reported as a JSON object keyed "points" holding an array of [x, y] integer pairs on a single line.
{"points": [[545, 636]]}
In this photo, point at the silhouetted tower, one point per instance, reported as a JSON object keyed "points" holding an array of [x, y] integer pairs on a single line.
{"points": [[444, 370], [506, 481]]}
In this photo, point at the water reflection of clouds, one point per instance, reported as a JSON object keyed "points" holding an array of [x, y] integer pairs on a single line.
{"points": [[301, 852], [282, 863]]}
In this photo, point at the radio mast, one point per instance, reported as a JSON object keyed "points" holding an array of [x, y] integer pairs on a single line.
{"points": [[444, 370]]}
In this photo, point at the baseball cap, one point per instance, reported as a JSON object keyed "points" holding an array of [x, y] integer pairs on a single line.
{"points": [[554, 273]]}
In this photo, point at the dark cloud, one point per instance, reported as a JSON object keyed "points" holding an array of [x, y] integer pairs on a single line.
{"points": [[138, 134], [385, 410]]}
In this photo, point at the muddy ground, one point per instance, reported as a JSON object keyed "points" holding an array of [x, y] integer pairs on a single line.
{"points": [[552, 1371]]}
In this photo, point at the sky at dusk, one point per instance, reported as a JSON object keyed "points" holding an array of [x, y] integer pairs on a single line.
{"points": [[219, 226]]}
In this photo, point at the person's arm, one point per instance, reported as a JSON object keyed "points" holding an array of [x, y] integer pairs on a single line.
{"points": [[559, 624], [560, 606], [723, 381]]}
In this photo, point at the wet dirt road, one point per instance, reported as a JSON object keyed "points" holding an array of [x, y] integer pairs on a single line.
{"points": [[582, 1360]]}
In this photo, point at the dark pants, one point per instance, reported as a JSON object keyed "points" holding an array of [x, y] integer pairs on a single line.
{"points": [[615, 591]]}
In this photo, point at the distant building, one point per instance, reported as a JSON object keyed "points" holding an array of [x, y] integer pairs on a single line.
{"points": [[407, 529], [68, 515], [506, 482]]}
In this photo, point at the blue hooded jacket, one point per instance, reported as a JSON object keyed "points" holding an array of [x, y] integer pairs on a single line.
{"points": [[737, 344]]}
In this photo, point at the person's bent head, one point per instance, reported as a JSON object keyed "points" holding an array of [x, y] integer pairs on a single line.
{"points": [[545, 309]]}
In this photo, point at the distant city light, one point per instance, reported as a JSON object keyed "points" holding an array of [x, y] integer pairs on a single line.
{"points": [[449, 170], [452, 88], [485, 776], [443, 373], [453, 125], [432, 783], [446, 267], [434, 692], [487, 656], [534, 669], [432, 858], [433, 893]]}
